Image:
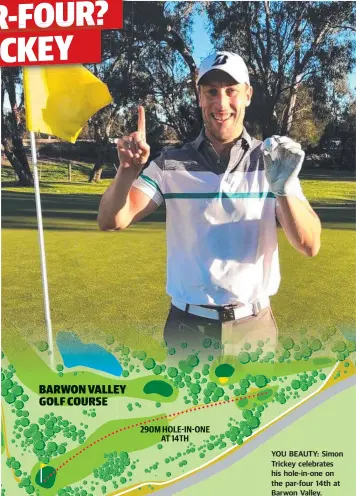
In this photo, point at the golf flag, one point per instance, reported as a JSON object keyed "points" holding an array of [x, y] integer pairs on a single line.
{"points": [[59, 100]]}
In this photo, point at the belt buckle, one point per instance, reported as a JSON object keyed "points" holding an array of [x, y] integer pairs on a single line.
{"points": [[256, 308], [226, 315]]}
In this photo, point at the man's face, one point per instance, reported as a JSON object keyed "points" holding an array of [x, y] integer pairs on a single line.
{"points": [[223, 103]]}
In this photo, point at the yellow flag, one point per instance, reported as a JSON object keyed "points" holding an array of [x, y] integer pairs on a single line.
{"points": [[60, 99]]}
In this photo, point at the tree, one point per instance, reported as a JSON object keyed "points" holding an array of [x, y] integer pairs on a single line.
{"points": [[286, 45], [148, 61], [307, 127], [13, 126], [338, 139]]}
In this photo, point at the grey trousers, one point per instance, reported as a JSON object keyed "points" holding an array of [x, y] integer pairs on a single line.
{"points": [[182, 327]]}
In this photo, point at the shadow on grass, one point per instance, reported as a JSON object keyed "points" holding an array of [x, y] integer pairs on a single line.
{"points": [[327, 175], [60, 211], [79, 212]]}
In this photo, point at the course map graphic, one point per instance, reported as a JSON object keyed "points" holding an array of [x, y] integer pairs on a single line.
{"points": [[112, 420]]}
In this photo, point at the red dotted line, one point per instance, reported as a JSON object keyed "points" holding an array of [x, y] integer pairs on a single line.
{"points": [[217, 403]]}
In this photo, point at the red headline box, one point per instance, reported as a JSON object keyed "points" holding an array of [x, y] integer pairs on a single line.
{"points": [[55, 32], [52, 47], [37, 15]]}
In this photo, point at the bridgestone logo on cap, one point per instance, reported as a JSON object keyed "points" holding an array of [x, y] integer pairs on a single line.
{"points": [[220, 60]]}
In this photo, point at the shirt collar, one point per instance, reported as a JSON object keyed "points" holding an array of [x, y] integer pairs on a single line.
{"points": [[203, 139]]}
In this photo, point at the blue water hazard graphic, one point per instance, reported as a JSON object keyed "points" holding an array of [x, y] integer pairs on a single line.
{"points": [[75, 353]]}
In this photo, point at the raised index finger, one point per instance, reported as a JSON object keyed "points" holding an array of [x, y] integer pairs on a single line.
{"points": [[141, 127]]}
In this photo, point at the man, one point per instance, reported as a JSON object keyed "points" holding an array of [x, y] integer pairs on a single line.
{"points": [[223, 193]]}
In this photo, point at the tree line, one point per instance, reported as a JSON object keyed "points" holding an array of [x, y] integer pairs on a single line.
{"points": [[299, 55]]}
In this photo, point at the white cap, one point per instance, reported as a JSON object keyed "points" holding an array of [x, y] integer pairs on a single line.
{"points": [[229, 62]]}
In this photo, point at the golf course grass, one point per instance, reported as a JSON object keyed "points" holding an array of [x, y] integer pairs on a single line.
{"points": [[317, 191], [114, 283]]}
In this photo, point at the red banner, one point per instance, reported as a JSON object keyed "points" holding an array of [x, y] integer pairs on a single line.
{"points": [[55, 32], [65, 14], [52, 47]]}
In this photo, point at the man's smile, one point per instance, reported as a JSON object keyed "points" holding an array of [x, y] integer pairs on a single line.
{"points": [[221, 117]]}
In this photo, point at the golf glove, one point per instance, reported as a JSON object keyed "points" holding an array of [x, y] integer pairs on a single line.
{"points": [[283, 160]]}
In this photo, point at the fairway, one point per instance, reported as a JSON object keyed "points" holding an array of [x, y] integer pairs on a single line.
{"points": [[114, 283]]}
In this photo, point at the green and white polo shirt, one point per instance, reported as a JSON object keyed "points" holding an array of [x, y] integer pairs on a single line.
{"points": [[221, 224]]}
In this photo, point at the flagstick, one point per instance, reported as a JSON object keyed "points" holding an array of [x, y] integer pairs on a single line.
{"points": [[42, 249]]}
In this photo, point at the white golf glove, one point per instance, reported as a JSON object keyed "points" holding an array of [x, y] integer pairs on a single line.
{"points": [[283, 160]]}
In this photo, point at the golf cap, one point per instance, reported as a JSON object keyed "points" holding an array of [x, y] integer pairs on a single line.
{"points": [[229, 62]]}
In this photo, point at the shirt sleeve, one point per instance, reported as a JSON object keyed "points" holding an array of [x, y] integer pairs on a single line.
{"points": [[150, 181]]}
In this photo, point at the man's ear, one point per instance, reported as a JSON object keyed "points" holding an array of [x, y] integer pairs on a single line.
{"points": [[199, 96], [249, 93]]}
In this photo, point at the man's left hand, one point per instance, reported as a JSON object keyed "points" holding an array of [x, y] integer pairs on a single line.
{"points": [[283, 160]]}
